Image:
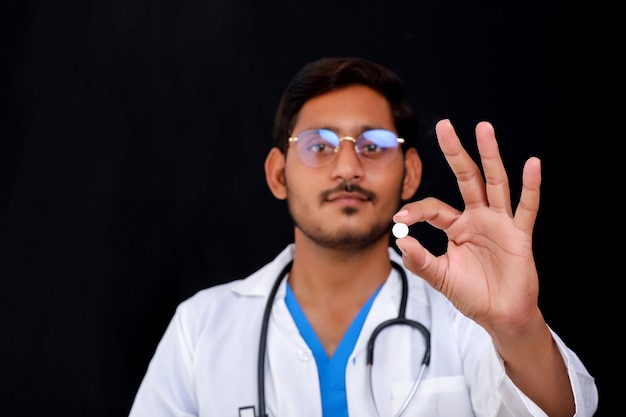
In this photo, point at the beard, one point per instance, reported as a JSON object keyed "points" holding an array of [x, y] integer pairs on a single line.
{"points": [[344, 237]]}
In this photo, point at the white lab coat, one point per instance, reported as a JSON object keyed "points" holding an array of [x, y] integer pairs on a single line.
{"points": [[206, 363]]}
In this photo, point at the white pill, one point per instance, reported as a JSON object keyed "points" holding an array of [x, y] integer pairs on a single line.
{"points": [[400, 230]]}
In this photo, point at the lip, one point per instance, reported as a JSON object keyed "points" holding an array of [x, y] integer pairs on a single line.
{"points": [[347, 198]]}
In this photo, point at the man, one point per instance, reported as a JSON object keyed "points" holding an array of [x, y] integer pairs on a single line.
{"points": [[476, 343]]}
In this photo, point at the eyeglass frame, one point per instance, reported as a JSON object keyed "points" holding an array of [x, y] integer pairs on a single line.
{"points": [[399, 142]]}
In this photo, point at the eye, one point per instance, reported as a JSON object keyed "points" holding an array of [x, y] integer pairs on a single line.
{"points": [[319, 141], [369, 148], [377, 142], [320, 147]]}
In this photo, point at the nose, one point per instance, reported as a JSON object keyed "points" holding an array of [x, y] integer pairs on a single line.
{"points": [[347, 164]]}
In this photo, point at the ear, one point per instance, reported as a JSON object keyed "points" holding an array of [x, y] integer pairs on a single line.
{"points": [[275, 173], [412, 173]]}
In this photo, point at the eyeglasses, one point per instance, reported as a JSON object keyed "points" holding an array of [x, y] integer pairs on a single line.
{"points": [[375, 148]]}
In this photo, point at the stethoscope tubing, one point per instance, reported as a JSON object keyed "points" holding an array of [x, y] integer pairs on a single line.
{"points": [[263, 339], [400, 319]]}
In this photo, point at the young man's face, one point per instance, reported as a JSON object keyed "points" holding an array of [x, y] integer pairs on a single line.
{"points": [[345, 204]]}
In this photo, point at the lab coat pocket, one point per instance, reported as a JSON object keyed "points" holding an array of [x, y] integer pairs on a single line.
{"points": [[445, 396]]}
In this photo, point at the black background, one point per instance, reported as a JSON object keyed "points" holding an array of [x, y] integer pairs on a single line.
{"points": [[132, 142]]}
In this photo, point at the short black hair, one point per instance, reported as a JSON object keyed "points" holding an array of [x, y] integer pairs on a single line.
{"points": [[334, 73]]}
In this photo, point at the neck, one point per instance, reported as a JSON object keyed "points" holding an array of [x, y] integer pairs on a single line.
{"points": [[319, 273]]}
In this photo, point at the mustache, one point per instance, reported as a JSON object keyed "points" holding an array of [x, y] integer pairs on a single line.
{"points": [[349, 187]]}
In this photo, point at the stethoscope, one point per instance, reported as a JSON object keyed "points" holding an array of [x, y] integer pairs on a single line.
{"points": [[401, 319]]}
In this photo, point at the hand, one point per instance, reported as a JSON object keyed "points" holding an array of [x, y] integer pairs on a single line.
{"points": [[488, 271]]}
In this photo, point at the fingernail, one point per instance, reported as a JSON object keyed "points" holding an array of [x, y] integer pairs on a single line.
{"points": [[401, 213]]}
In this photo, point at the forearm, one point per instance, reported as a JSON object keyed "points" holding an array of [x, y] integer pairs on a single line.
{"points": [[533, 362]]}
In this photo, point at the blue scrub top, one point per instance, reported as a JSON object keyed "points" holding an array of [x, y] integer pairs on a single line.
{"points": [[332, 371]]}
